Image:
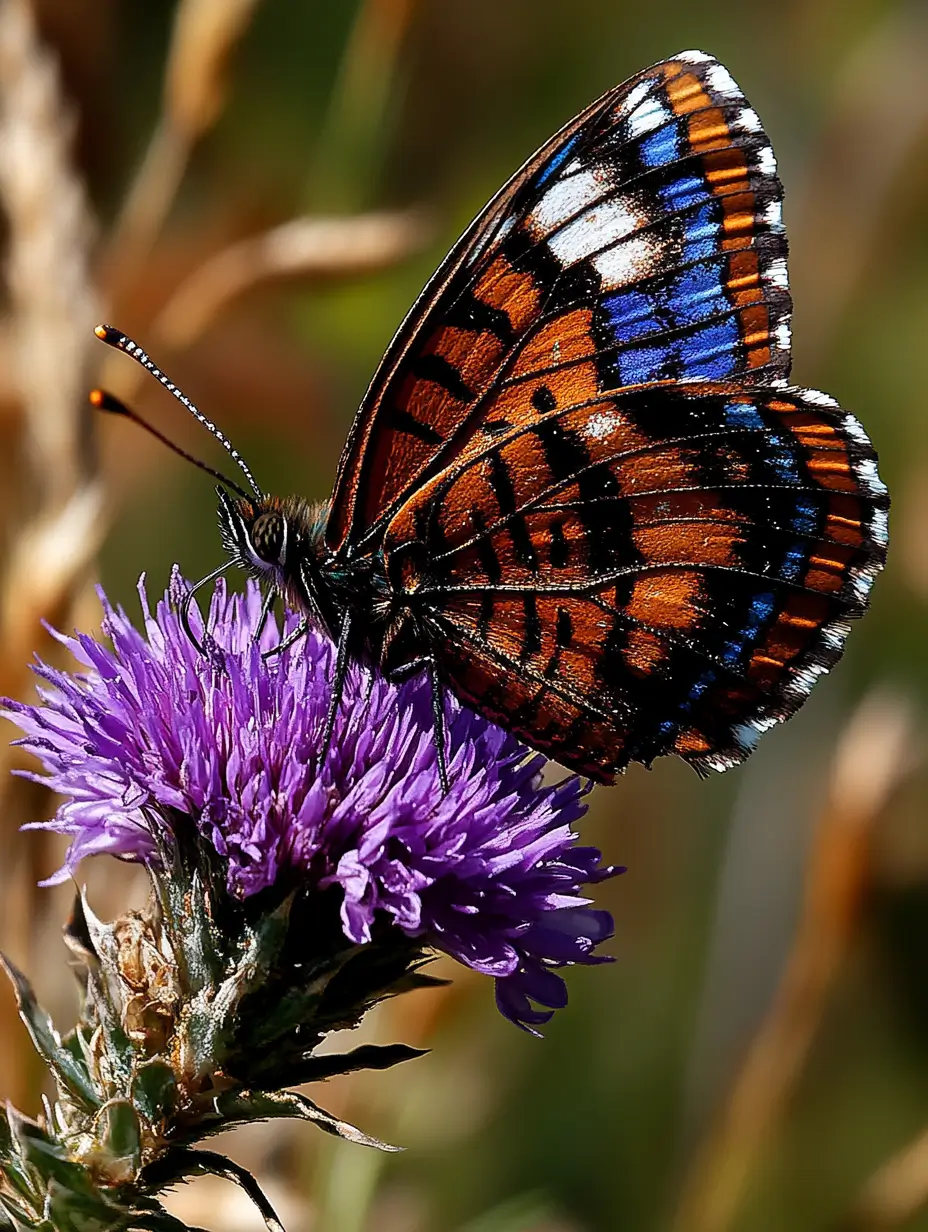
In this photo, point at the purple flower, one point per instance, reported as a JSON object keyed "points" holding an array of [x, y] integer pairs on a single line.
{"points": [[487, 873]]}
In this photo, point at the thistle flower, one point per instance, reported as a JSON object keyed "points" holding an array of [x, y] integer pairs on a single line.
{"points": [[290, 892], [153, 731]]}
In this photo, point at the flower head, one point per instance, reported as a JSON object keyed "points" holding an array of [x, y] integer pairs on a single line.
{"points": [[152, 728]]}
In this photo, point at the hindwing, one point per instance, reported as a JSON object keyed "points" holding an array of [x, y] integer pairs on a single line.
{"points": [[665, 569]]}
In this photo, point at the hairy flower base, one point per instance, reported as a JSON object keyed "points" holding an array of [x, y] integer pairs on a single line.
{"points": [[488, 872], [195, 1016]]}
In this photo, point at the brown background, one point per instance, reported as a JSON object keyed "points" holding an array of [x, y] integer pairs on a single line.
{"points": [[757, 1058]]}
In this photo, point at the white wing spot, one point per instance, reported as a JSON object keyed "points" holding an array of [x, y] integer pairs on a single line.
{"points": [[804, 679], [817, 398], [505, 227], [721, 80], [626, 262], [647, 116], [600, 425], [747, 735], [835, 634], [867, 473], [566, 197], [718, 763], [862, 583], [854, 429], [773, 215], [766, 161], [637, 94], [747, 121], [693, 57], [776, 273], [595, 229], [879, 526]]}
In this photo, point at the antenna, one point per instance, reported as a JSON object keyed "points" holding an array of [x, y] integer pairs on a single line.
{"points": [[119, 342], [104, 401]]}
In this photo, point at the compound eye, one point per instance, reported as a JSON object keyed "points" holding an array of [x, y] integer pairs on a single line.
{"points": [[267, 537]]}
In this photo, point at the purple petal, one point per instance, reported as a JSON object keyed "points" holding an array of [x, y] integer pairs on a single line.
{"points": [[490, 873]]}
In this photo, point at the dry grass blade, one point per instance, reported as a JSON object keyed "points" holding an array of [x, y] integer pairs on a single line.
{"points": [[874, 754], [49, 552], [370, 60], [52, 306], [860, 174], [353, 136], [895, 1193], [205, 32], [304, 247]]}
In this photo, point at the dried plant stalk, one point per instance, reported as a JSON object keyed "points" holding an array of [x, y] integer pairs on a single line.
{"points": [[205, 32], [895, 1193], [302, 247], [867, 147], [352, 138], [874, 754], [370, 61], [307, 248], [52, 306]]}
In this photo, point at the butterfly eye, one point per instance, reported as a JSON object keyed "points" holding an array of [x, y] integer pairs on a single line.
{"points": [[267, 537]]}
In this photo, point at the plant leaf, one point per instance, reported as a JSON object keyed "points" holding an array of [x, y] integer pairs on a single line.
{"points": [[70, 1075], [329, 1065], [181, 1163], [154, 1090], [122, 1135]]}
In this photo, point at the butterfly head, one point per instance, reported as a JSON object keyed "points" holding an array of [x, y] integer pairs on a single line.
{"points": [[264, 536], [280, 543], [254, 533]]}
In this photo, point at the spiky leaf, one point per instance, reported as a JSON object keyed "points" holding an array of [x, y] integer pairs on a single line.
{"points": [[70, 1075], [267, 1105], [179, 1164], [121, 1139], [330, 1065], [154, 1090]]}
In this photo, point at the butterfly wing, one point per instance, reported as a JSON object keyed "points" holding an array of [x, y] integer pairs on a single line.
{"points": [[661, 570], [643, 242]]}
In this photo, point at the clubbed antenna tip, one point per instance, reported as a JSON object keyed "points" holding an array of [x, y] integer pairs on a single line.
{"points": [[105, 401]]}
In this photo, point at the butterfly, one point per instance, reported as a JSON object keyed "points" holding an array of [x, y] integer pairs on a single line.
{"points": [[580, 492]]}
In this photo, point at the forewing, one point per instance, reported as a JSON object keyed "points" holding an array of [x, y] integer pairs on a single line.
{"points": [[666, 570], [643, 242]]}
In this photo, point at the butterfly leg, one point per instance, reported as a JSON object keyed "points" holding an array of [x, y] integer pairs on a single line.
{"points": [[188, 604], [338, 685], [266, 606], [438, 718], [298, 632], [413, 668]]}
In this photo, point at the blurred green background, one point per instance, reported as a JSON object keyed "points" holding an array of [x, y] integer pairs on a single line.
{"points": [[759, 1051]]}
